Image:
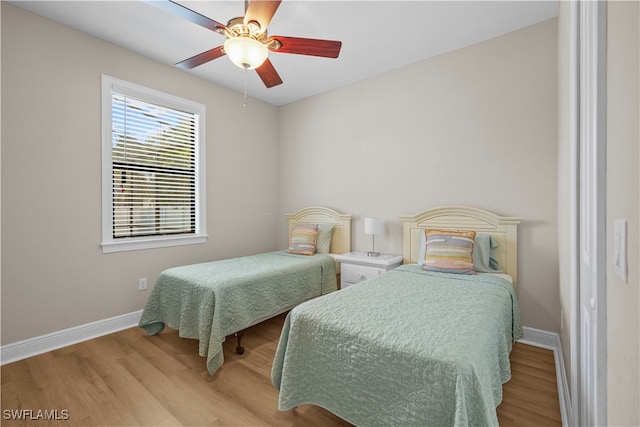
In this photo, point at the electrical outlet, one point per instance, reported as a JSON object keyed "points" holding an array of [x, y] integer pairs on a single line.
{"points": [[142, 284]]}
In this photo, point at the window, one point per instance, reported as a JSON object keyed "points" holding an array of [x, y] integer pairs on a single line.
{"points": [[153, 173]]}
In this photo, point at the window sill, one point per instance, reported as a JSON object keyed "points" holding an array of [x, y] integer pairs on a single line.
{"points": [[151, 243]]}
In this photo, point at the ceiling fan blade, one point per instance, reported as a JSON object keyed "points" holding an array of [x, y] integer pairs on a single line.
{"points": [[268, 74], [261, 11], [186, 13], [312, 47], [201, 58]]}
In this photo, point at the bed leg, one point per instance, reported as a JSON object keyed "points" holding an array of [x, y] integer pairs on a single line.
{"points": [[239, 348]]}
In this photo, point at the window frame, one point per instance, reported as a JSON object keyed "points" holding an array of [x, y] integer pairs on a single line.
{"points": [[110, 244]]}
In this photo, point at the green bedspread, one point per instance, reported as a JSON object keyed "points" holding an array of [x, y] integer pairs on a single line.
{"points": [[408, 347], [209, 301]]}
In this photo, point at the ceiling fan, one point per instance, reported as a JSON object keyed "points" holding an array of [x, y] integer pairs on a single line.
{"points": [[247, 43]]}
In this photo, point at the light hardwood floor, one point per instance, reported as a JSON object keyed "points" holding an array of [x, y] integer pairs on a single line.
{"points": [[131, 379]]}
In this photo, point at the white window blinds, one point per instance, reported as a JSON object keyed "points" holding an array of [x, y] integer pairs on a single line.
{"points": [[154, 169]]}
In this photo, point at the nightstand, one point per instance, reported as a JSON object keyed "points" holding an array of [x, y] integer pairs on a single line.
{"points": [[357, 266]]}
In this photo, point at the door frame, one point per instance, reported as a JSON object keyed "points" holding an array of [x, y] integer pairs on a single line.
{"points": [[588, 100]]}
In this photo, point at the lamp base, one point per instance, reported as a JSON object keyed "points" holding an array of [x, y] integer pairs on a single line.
{"points": [[372, 254]]}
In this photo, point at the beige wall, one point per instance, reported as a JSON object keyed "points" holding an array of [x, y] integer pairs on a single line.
{"points": [[623, 134], [382, 147], [476, 126], [54, 275]]}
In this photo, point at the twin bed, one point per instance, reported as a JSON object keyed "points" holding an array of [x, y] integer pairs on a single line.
{"points": [[409, 347], [213, 300]]}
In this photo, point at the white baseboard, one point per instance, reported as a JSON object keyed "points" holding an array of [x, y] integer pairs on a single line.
{"points": [[55, 340], [551, 341]]}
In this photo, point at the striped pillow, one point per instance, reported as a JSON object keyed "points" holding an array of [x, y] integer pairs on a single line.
{"points": [[449, 251], [303, 239]]}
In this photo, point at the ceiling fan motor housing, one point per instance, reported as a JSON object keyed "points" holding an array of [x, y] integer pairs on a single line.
{"points": [[237, 28]]}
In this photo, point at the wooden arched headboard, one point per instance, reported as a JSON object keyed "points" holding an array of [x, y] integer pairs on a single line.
{"points": [[341, 236], [503, 229]]}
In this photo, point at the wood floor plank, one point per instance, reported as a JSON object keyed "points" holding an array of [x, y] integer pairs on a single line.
{"points": [[129, 378]]}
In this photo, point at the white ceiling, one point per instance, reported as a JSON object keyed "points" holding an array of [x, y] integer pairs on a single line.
{"points": [[377, 36]]}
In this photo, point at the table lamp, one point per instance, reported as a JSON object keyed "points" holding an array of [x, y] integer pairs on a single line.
{"points": [[373, 226]]}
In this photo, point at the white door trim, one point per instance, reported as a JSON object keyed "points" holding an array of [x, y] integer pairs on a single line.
{"points": [[588, 347], [574, 259]]}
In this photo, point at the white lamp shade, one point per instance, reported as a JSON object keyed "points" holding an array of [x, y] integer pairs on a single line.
{"points": [[373, 226], [245, 52]]}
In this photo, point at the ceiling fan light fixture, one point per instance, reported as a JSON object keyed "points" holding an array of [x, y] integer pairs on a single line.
{"points": [[245, 52]]}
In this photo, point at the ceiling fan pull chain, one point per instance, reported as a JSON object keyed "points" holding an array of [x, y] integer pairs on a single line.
{"points": [[244, 104]]}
